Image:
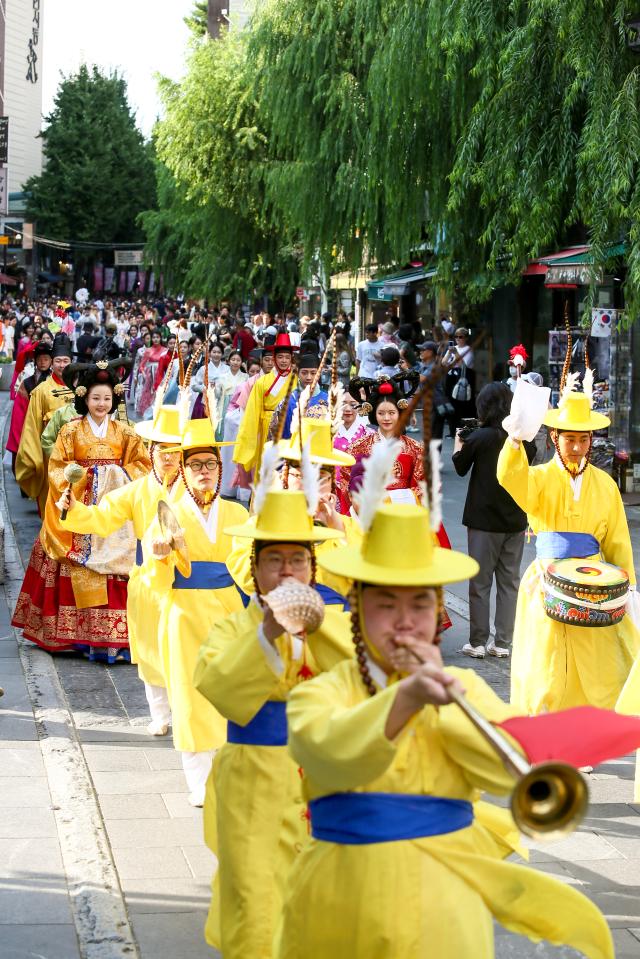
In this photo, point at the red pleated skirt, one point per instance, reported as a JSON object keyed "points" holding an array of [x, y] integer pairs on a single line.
{"points": [[47, 614]]}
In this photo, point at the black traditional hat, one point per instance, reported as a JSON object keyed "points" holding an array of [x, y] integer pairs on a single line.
{"points": [[42, 349], [394, 389], [308, 361], [61, 345]]}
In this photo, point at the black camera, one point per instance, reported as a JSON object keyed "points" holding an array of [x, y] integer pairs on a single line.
{"points": [[467, 427]]}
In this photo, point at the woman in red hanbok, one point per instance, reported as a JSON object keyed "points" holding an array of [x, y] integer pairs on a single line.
{"points": [[153, 366]]}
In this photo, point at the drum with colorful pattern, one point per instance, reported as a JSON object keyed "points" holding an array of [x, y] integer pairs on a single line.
{"points": [[585, 592]]}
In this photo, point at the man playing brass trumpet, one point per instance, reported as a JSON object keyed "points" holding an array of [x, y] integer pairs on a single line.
{"points": [[400, 864]]}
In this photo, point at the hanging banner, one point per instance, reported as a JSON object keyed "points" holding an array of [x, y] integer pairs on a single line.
{"points": [[109, 274], [603, 322], [98, 278], [142, 279], [131, 280], [122, 282], [152, 282]]}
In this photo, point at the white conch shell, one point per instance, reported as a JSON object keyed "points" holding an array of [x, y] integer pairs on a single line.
{"points": [[298, 608]]}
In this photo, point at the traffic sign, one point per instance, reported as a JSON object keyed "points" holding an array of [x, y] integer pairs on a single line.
{"points": [[4, 241]]}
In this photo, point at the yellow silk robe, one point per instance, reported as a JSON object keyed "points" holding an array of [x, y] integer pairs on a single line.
{"points": [[420, 898], [555, 666], [187, 616], [31, 463], [258, 806], [136, 503], [57, 420], [266, 394], [76, 443]]}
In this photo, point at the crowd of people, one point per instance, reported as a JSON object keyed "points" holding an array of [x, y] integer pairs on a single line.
{"points": [[234, 504]]}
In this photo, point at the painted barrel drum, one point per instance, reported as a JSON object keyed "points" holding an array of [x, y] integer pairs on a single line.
{"points": [[585, 592]]}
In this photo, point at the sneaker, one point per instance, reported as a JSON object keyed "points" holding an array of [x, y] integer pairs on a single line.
{"points": [[500, 651], [196, 798], [476, 651], [157, 728]]}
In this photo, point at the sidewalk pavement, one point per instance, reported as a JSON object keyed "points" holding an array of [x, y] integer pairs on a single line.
{"points": [[104, 857]]}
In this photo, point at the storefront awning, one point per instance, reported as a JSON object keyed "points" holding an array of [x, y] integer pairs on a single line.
{"points": [[573, 256], [390, 287], [7, 280]]}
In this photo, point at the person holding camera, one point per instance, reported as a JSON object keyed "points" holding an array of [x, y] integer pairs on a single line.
{"points": [[495, 524]]}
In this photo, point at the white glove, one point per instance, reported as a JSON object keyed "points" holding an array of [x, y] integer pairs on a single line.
{"points": [[528, 408]]}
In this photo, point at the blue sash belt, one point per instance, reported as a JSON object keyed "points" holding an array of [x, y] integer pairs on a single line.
{"points": [[331, 597], [204, 575], [566, 545], [267, 728], [139, 554], [356, 819]]}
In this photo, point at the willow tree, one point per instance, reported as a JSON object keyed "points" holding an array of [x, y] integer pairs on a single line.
{"points": [[487, 132], [210, 145]]}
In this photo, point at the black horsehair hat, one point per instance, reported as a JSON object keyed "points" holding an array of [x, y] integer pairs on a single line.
{"points": [[61, 346]]}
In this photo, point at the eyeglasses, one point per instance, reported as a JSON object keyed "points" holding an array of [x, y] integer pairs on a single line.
{"points": [[460, 337], [196, 466], [275, 562]]}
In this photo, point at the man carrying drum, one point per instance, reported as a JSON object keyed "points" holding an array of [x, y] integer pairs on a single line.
{"points": [[573, 644]]}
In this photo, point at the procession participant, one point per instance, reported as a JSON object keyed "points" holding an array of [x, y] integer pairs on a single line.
{"points": [[74, 593], [38, 367], [315, 442], [42, 358], [31, 467], [193, 601], [246, 668], [383, 405], [137, 503], [315, 406], [392, 773], [265, 395], [576, 512]]}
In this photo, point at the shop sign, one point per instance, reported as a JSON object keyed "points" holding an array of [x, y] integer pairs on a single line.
{"points": [[580, 274], [129, 257], [4, 139], [34, 40]]}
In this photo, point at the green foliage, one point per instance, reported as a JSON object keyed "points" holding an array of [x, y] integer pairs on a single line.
{"points": [[197, 19], [488, 131], [98, 173], [210, 216], [359, 130]]}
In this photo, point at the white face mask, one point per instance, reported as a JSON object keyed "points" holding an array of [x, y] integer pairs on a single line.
{"points": [[513, 372]]}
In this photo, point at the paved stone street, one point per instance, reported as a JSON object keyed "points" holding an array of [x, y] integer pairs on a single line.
{"points": [[103, 856]]}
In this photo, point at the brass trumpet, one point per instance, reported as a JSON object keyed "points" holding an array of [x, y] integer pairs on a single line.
{"points": [[550, 799]]}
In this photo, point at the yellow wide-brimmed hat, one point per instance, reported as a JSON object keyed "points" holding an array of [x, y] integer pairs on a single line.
{"points": [[318, 432], [165, 428], [284, 519], [199, 434], [399, 550], [575, 415]]}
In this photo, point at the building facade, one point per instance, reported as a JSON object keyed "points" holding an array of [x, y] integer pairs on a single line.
{"points": [[22, 87], [222, 13]]}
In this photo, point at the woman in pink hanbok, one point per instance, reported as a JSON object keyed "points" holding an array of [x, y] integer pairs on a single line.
{"points": [[354, 427]]}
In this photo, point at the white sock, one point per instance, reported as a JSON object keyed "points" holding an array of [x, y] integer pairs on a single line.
{"points": [[159, 708], [197, 767]]}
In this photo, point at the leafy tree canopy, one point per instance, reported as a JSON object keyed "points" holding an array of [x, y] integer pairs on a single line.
{"points": [[98, 174], [198, 18], [485, 131], [209, 143]]}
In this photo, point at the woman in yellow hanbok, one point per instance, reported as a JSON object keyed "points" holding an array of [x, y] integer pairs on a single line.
{"points": [[74, 594], [246, 669], [196, 597], [137, 503], [575, 510], [398, 865]]}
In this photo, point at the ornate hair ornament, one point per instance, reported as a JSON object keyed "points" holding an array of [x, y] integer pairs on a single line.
{"points": [[81, 391], [118, 389], [102, 364]]}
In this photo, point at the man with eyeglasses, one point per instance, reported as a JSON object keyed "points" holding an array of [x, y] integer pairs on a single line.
{"points": [[254, 808]]}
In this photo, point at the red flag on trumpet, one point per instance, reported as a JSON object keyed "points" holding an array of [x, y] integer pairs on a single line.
{"points": [[584, 736]]}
